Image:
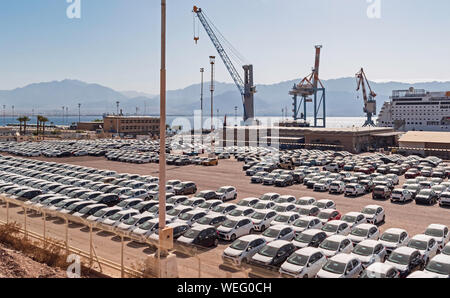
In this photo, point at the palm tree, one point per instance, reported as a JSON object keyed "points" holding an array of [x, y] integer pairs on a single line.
{"points": [[43, 120], [25, 119], [20, 119], [38, 120]]}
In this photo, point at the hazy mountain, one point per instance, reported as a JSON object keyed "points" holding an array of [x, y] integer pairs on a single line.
{"points": [[342, 98]]}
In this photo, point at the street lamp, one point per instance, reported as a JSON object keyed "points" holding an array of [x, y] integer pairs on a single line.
{"points": [[79, 112], [117, 118], [202, 70], [162, 131], [212, 60]]}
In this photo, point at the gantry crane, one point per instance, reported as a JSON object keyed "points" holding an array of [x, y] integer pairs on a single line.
{"points": [[246, 87], [310, 86], [370, 104]]}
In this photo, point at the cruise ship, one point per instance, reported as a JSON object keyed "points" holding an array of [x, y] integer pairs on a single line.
{"points": [[416, 109]]}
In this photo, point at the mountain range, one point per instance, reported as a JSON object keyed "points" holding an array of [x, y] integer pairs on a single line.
{"points": [[342, 100]]}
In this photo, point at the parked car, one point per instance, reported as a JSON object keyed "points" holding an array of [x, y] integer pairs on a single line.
{"points": [[381, 192], [336, 244], [393, 238], [354, 190], [273, 254], [440, 233], [243, 249], [401, 195], [303, 263], [363, 232], [380, 270], [426, 245], [185, 188], [235, 227], [202, 235], [310, 237], [406, 260], [439, 265], [369, 251], [374, 214], [226, 193], [341, 266], [426, 196], [262, 219]]}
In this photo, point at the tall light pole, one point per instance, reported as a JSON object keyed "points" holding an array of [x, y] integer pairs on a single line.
{"points": [[13, 113], [79, 112], [67, 115], [4, 114], [212, 61], [162, 129], [117, 121], [202, 70], [63, 115], [235, 115]]}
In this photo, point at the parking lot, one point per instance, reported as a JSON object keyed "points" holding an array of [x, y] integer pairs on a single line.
{"points": [[414, 218]]}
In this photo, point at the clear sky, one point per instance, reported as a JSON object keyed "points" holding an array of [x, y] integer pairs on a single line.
{"points": [[116, 42]]}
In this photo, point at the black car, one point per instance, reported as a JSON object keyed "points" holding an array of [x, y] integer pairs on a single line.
{"points": [[144, 206], [28, 194], [273, 254], [201, 235], [185, 188], [284, 180], [108, 199], [207, 194], [426, 196]]}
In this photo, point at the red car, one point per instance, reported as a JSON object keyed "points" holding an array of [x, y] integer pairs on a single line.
{"points": [[327, 215], [412, 173]]}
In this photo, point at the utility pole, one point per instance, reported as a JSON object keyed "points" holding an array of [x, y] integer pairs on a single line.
{"points": [[4, 114], [162, 129], [212, 61], [202, 70], [79, 112], [67, 115], [235, 115], [117, 121], [13, 113], [63, 115]]}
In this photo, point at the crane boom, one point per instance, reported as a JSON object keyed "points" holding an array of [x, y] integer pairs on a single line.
{"points": [[245, 88], [370, 104]]}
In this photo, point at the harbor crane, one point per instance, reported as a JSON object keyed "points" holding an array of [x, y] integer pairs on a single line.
{"points": [[370, 104], [310, 86], [246, 86]]}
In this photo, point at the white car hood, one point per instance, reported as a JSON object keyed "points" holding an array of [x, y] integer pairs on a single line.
{"points": [[389, 244], [328, 253], [224, 230], [292, 268], [185, 240], [363, 259], [356, 238], [398, 266], [232, 252], [299, 244], [326, 274], [262, 259]]}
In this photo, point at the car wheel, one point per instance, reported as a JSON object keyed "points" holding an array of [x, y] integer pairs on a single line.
{"points": [[263, 228], [305, 276], [251, 231], [233, 237]]}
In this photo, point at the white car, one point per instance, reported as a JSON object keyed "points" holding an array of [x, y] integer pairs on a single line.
{"points": [[310, 237], [306, 223], [440, 233], [226, 193], [283, 207], [243, 249], [393, 238], [354, 189], [374, 214], [380, 270], [285, 218], [209, 205], [445, 199], [102, 214], [363, 232], [336, 244], [242, 211], [422, 274], [426, 245], [336, 227], [341, 266], [119, 217], [278, 232], [354, 218], [235, 227], [303, 263], [369, 252], [173, 214], [401, 195], [305, 201], [143, 231], [262, 218], [439, 265], [337, 187], [224, 208], [325, 204], [191, 217], [133, 222]]}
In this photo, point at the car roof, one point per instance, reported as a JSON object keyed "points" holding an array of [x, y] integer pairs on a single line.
{"points": [[353, 213], [336, 222], [369, 243], [395, 231], [437, 226], [312, 232], [379, 267], [278, 243], [365, 226], [343, 258], [199, 227], [441, 258], [422, 237], [307, 251], [279, 227], [337, 238], [405, 250], [250, 237]]}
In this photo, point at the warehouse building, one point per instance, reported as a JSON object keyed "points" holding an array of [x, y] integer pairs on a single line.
{"points": [[426, 143], [131, 125]]}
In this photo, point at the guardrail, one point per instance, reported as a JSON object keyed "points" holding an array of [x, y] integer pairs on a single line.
{"points": [[90, 256]]}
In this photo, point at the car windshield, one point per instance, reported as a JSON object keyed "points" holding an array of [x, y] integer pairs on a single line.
{"points": [[268, 251], [282, 218], [237, 213], [334, 267], [116, 216], [148, 225], [85, 210], [205, 220], [321, 204], [302, 202], [174, 212], [324, 215], [425, 192], [154, 209], [389, 237], [439, 268], [244, 203], [301, 223], [123, 203], [271, 233], [100, 213], [205, 205], [303, 238], [363, 250], [369, 211], [329, 245], [72, 207], [191, 234], [229, 223], [279, 208], [131, 221], [349, 218], [186, 216], [258, 216], [61, 204], [266, 197], [399, 258], [359, 232], [239, 245], [417, 244], [434, 232], [330, 228], [222, 190], [298, 259]]}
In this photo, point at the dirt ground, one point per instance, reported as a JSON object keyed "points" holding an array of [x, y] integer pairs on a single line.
{"points": [[414, 218], [14, 264]]}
